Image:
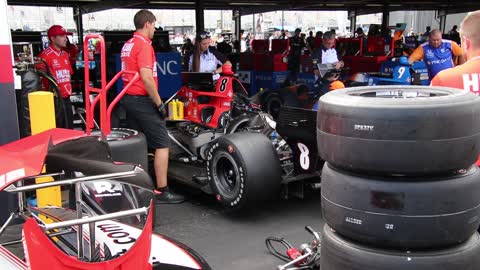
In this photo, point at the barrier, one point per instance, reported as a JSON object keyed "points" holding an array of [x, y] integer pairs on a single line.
{"points": [[42, 118]]}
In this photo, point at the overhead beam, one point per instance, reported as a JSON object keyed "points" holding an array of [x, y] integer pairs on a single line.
{"points": [[106, 5], [362, 6]]}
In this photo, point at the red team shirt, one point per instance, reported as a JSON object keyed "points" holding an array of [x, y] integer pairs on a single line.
{"points": [[138, 53], [59, 66]]}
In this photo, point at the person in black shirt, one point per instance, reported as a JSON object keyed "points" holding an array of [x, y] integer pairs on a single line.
{"points": [[310, 41], [187, 47], [454, 35], [297, 44]]}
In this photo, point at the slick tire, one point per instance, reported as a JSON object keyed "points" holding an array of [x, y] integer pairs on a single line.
{"points": [[128, 145], [399, 129], [243, 168], [339, 253], [402, 212]]}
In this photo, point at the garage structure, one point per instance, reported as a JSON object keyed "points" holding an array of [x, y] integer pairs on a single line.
{"points": [[243, 7]]}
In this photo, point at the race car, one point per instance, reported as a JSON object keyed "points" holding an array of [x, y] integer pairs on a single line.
{"points": [[226, 146], [111, 209], [396, 71], [304, 94]]}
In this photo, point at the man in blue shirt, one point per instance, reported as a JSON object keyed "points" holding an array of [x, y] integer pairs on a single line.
{"points": [[438, 54]]}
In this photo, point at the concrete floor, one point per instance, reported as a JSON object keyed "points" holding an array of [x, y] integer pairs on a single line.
{"points": [[237, 241]]}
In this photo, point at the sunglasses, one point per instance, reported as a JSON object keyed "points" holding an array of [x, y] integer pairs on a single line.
{"points": [[204, 35]]}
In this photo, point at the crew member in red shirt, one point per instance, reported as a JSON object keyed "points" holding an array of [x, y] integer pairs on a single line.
{"points": [[145, 109], [467, 75], [59, 67]]}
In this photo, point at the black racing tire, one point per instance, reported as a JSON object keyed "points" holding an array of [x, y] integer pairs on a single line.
{"points": [[402, 212], [272, 104], [243, 168], [128, 145], [366, 129], [339, 253]]}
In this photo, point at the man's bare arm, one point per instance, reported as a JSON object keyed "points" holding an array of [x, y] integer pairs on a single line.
{"points": [[150, 85]]}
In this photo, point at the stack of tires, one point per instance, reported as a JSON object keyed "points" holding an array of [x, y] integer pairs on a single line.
{"points": [[399, 189]]}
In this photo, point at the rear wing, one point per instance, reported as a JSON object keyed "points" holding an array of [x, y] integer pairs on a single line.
{"points": [[299, 128]]}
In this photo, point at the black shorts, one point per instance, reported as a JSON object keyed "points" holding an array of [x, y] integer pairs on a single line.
{"points": [[142, 115]]}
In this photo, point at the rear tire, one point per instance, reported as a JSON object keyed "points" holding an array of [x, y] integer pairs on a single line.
{"points": [[243, 168]]}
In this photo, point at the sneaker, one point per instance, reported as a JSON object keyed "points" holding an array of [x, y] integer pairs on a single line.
{"points": [[167, 196]]}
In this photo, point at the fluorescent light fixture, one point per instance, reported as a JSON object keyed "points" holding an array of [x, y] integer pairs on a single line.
{"points": [[171, 3], [251, 4]]}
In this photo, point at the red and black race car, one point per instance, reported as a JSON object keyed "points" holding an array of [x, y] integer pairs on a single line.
{"points": [[226, 146]]}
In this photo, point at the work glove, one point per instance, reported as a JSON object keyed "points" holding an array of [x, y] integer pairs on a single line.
{"points": [[162, 111]]}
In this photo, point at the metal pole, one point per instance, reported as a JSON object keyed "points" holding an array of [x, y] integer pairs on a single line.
{"points": [[78, 198], [91, 229], [283, 19], [78, 17], [221, 20], [238, 27], [199, 16], [107, 176], [254, 25], [121, 214], [443, 20], [353, 21], [385, 19]]}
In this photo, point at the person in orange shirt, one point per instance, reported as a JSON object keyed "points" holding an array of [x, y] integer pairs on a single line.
{"points": [[466, 76], [437, 53]]}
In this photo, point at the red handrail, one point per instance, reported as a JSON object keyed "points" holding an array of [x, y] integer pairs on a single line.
{"points": [[105, 113]]}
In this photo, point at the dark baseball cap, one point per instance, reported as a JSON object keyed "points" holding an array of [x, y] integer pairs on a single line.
{"points": [[57, 30]]}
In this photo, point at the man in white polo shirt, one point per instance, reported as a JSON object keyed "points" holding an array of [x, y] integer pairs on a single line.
{"points": [[326, 54]]}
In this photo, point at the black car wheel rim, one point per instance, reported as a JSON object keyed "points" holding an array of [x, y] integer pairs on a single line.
{"points": [[226, 175]]}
